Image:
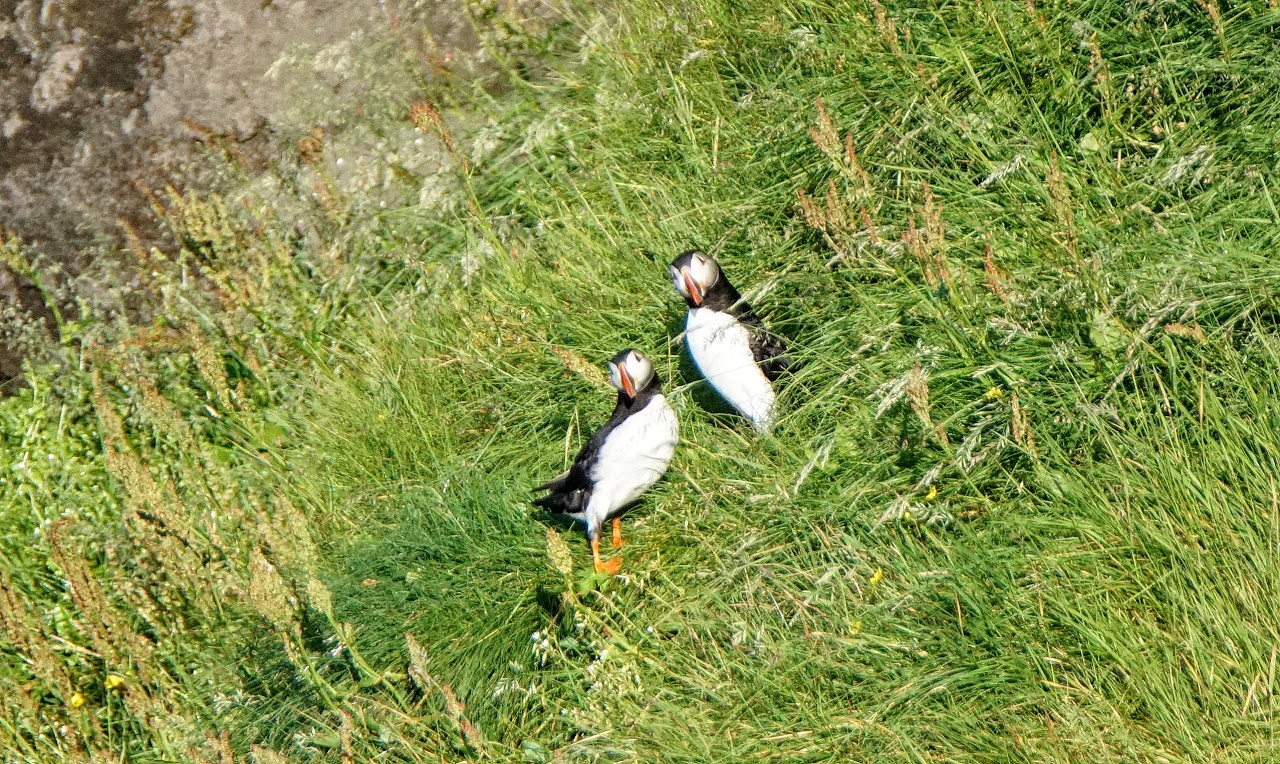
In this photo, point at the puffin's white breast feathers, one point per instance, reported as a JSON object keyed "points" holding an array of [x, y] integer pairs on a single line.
{"points": [[721, 347], [633, 457]]}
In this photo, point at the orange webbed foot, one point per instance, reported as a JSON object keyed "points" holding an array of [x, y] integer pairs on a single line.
{"points": [[612, 567], [617, 532]]}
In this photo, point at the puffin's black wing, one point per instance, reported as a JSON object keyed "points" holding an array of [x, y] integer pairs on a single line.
{"points": [[769, 350], [571, 489]]}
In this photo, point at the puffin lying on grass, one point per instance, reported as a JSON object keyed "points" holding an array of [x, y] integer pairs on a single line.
{"points": [[728, 342], [622, 459]]}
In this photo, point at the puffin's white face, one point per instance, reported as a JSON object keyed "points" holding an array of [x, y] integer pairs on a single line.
{"points": [[694, 279], [629, 372]]}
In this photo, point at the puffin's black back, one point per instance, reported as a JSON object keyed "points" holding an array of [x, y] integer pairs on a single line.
{"points": [[571, 490]]}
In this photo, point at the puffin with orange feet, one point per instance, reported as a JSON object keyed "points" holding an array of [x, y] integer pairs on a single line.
{"points": [[621, 460]]}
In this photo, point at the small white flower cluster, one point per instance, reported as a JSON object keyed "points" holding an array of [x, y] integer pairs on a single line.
{"points": [[615, 678], [804, 37], [1195, 165], [223, 702], [542, 646], [509, 685]]}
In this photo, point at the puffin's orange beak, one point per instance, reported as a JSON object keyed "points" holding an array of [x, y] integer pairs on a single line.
{"points": [[695, 293], [627, 387]]}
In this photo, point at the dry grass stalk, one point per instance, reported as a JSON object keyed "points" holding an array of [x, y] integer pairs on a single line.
{"points": [[454, 708], [263, 755], [1187, 330], [918, 396], [1100, 70], [150, 339], [886, 27], [928, 243], [162, 414], [26, 636], [20, 699], [113, 639], [578, 364], [812, 215], [858, 174], [425, 116], [111, 636], [869, 226], [204, 220], [996, 278], [842, 217], [164, 542], [1036, 15], [824, 135], [1021, 428], [222, 744], [209, 362], [1061, 202], [270, 595], [254, 363], [143, 593], [273, 599], [1215, 16], [558, 553], [287, 534], [842, 155], [419, 674], [320, 597], [345, 732]]}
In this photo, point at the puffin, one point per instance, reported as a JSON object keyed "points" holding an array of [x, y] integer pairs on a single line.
{"points": [[621, 459], [727, 341]]}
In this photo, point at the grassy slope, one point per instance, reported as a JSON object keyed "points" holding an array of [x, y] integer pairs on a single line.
{"points": [[1039, 284], [1092, 580]]}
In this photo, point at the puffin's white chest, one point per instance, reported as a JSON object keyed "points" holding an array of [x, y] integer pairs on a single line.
{"points": [[633, 457], [721, 347]]}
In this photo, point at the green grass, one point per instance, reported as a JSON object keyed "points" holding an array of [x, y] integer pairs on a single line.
{"points": [[1021, 504]]}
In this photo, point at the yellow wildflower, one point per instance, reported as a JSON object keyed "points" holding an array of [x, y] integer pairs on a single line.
{"points": [[933, 493], [114, 681], [77, 700], [994, 393], [877, 577]]}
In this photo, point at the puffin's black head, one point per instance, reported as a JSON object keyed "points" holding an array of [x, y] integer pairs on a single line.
{"points": [[693, 274], [630, 372]]}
